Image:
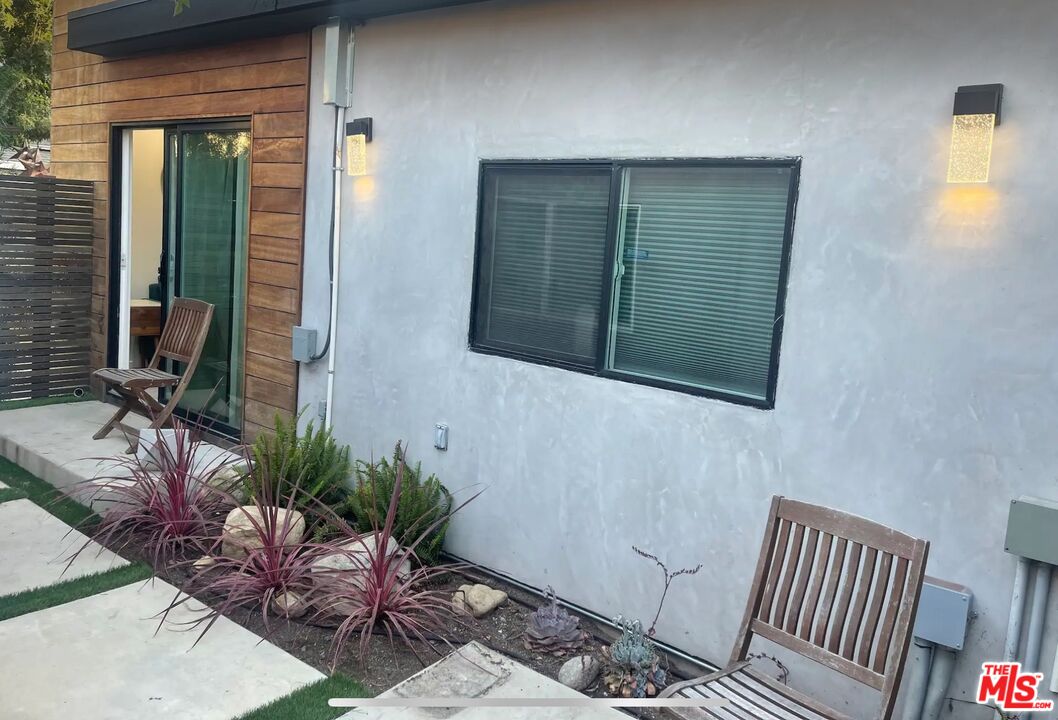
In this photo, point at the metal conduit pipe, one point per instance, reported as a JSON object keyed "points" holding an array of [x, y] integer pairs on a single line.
{"points": [[1017, 610], [336, 259], [1041, 589], [940, 674], [918, 661]]}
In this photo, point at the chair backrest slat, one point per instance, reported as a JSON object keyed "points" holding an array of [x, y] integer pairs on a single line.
{"points": [[838, 589], [882, 647], [841, 546], [837, 626], [792, 563], [777, 561], [826, 544], [185, 331], [793, 616], [859, 605], [881, 587]]}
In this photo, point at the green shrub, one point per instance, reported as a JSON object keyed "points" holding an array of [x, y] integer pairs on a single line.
{"points": [[312, 462], [422, 503]]}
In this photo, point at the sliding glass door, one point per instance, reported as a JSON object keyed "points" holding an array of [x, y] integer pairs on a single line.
{"points": [[208, 183]]}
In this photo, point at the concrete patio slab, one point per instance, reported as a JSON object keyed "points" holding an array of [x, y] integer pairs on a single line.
{"points": [[474, 671], [54, 442], [99, 659], [34, 547]]}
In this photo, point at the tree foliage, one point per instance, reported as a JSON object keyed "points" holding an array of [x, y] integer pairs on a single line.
{"points": [[25, 71]]}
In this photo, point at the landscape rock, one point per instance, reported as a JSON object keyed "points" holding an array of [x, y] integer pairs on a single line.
{"points": [[478, 600], [240, 535], [350, 565], [290, 604], [204, 562], [580, 672], [229, 480]]}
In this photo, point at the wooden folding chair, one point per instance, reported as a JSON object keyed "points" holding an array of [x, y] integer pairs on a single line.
{"points": [[836, 588], [182, 341]]}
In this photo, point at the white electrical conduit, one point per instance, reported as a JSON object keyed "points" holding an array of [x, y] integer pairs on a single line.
{"points": [[336, 248], [940, 674], [930, 668], [918, 661], [1041, 588], [1017, 610]]}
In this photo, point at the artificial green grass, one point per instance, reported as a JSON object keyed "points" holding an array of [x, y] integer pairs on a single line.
{"points": [[48, 596], [310, 702], [54, 501], [40, 402], [8, 494]]}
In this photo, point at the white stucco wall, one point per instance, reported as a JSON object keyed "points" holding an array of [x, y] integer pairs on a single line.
{"points": [[919, 362]]}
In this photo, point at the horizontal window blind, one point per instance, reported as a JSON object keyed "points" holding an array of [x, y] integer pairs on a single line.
{"points": [[541, 268], [700, 251]]}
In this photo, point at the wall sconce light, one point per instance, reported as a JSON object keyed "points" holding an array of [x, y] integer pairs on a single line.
{"points": [[976, 117], [357, 136]]}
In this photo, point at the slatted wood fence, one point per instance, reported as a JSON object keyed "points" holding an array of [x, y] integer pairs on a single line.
{"points": [[45, 286]]}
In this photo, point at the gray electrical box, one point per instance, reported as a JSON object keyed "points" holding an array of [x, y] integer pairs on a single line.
{"points": [[1032, 529], [304, 344], [943, 613], [337, 63]]}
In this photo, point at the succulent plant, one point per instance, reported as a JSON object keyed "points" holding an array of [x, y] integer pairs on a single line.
{"points": [[553, 630], [633, 663]]}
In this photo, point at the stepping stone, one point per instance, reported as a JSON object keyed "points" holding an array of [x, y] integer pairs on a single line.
{"points": [[99, 658], [35, 547], [474, 671]]}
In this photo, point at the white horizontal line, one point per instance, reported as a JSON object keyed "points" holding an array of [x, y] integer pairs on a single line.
{"points": [[490, 702]]}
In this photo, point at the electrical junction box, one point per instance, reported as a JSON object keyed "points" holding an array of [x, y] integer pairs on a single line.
{"points": [[943, 613], [338, 63], [304, 343], [1032, 529]]}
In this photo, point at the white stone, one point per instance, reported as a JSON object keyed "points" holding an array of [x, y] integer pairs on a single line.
{"points": [[478, 600], [229, 479], [580, 672], [240, 534], [204, 562], [349, 565], [290, 604]]}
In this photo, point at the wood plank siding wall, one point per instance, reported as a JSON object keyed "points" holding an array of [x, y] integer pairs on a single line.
{"points": [[266, 80]]}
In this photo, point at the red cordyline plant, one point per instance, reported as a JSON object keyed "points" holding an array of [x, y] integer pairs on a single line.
{"points": [[389, 595], [171, 500], [271, 568]]}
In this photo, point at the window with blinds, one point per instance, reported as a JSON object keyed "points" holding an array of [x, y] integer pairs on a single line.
{"points": [[665, 273], [542, 265]]}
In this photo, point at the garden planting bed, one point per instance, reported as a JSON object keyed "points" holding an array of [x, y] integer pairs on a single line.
{"points": [[280, 533], [390, 663]]}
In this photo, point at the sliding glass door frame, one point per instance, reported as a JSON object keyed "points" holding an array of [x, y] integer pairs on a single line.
{"points": [[171, 234]]}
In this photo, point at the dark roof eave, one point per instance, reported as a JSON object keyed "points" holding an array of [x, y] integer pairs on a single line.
{"points": [[123, 28]]}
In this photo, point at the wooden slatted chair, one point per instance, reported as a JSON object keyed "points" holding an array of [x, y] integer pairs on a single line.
{"points": [[836, 588], [182, 341]]}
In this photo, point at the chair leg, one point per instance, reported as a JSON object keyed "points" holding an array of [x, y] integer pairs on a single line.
{"points": [[114, 421], [160, 417]]}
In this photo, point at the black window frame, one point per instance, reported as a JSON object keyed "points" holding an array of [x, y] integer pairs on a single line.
{"points": [[616, 169]]}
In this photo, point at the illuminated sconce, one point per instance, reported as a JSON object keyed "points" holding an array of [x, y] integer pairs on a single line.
{"points": [[976, 117], [357, 136]]}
